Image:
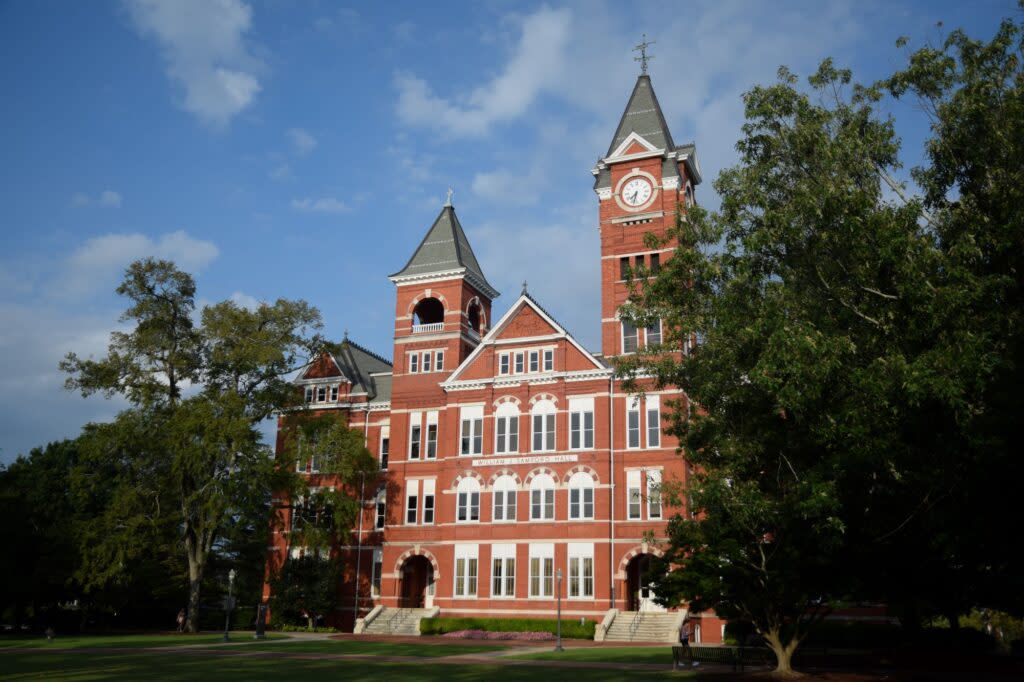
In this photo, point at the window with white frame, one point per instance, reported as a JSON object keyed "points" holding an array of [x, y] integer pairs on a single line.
{"points": [[519, 357], [503, 363], [653, 421], [412, 492], [466, 558], [633, 492], [504, 490], [427, 360], [309, 394], [543, 418], [629, 337], [468, 501], [549, 360], [503, 570], [385, 446], [321, 394], [414, 363], [506, 428], [378, 569], [334, 393], [534, 356], [581, 423], [542, 498], [633, 422], [653, 494], [428, 501], [415, 434], [581, 569], [439, 361], [653, 333], [381, 509], [471, 436], [542, 569], [581, 496], [431, 450]]}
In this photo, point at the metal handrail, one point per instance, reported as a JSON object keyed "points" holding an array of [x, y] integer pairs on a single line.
{"points": [[389, 624], [634, 625]]}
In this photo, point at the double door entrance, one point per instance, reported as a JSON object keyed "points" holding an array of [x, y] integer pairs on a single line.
{"points": [[639, 585]]}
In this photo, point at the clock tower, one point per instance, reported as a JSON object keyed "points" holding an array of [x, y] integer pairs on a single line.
{"points": [[641, 183]]}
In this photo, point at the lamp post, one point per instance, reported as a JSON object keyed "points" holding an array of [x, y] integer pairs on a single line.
{"points": [[558, 623], [229, 603]]}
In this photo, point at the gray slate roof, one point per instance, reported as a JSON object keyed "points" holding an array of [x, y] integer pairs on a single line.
{"points": [[357, 363], [643, 116], [444, 248]]}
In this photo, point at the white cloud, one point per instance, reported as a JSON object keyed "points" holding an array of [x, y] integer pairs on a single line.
{"points": [[105, 199], [535, 66], [324, 205], [244, 300], [282, 172], [204, 50], [302, 141], [99, 262]]}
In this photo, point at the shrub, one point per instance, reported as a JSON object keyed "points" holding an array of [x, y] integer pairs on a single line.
{"points": [[571, 629]]}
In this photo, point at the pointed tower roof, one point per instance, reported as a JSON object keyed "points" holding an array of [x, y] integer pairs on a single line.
{"points": [[643, 117], [445, 250]]}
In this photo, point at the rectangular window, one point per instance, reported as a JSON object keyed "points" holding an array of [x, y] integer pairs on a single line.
{"points": [[468, 506], [581, 423], [633, 423], [504, 505], [427, 356], [431, 435], [633, 492], [624, 268], [655, 263], [439, 364], [542, 504], [414, 363], [321, 394], [507, 434], [385, 446], [542, 570], [503, 570], [378, 569], [638, 261], [654, 333], [581, 569], [411, 501], [581, 503], [428, 501], [471, 440], [503, 363], [654, 494], [534, 361], [653, 421], [519, 363], [415, 434], [549, 360], [629, 338], [543, 432], [381, 513], [309, 394], [334, 394], [465, 570]]}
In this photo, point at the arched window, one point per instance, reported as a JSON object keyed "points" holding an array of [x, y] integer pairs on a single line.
{"points": [[468, 501], [581, 496], [542, 498], [504, 498], [688, 196], [429, 311], [506, 428], [473, 315], [543, 414]]}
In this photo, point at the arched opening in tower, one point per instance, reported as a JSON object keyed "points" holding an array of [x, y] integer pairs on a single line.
{"points": [[429, 311], [474, 317]]}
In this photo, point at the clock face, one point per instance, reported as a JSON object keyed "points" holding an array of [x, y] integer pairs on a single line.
{"points": [[636, 192]]}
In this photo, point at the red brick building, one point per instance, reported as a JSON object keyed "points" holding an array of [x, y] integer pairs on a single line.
{"points": [[509, 453]]}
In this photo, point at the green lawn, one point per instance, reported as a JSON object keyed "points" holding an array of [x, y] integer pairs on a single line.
{"points": [[636, 654], [355, 646], [92, 641], [95, 667]]}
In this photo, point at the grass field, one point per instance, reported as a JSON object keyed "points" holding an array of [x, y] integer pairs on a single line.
{"points": [[636, 654], [350, 646], [133, 641]]}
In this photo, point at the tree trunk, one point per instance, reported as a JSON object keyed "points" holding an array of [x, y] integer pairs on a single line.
{"points": [[783, 654], [195, 580]]}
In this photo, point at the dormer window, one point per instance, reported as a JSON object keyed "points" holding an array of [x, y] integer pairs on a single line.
{"points": [[321, 394]]}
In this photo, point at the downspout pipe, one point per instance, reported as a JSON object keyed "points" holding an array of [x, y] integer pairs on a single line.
{"points": [[611, 493]]}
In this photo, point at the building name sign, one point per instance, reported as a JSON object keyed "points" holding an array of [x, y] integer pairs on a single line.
{"points": [[510, 461]]}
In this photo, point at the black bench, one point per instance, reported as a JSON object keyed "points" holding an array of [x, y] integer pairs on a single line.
{"points": [[735, 656]]}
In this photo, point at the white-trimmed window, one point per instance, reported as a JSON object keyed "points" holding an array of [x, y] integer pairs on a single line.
{"points": [[653, 421], [427, 358], [543, 418], [581, 496], [653, 333], [534, 356], [431, 450], [321, 394], [412, 496], [542, 569], [542, 498], [581, 423], [581, 570], [414, 363], [385, 446], [468, 501], [629, 337], [376, 571], [309, 394], [504, 498], [549, 360], [428, 501], [381, 509], [439, 361], [415, 434], [654, 494], [503, 570], [471, 430], [503, 363], [506, 428], [633, 493], [334, 393], [633, 423], [466, 558], [519, 363]]}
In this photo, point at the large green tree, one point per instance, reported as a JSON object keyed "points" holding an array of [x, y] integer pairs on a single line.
{"points": [[187, 453]]}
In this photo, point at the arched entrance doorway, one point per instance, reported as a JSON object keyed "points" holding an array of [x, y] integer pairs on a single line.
{"points": [[640, 585], [417, 583]]}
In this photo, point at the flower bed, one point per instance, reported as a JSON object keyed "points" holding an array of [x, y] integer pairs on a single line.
{"points": [[519, 636]]}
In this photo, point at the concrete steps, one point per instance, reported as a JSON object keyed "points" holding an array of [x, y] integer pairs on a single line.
{"points": [[633, 626], [395, 621]]}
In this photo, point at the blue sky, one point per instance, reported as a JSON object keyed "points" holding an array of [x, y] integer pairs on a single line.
{"points": [[301, 149]]}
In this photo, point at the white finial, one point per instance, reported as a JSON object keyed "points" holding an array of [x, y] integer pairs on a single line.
{"points": [[451, 193], [644, 57]]}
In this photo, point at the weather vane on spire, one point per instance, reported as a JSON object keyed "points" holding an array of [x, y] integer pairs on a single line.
{"points": [[644, 57], [451, 192]]}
